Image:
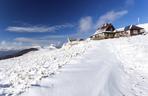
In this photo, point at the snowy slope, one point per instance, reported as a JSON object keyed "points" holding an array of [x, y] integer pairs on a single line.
{"points": [[18, 74], [113, 67], [133, 53], [89, 75]]}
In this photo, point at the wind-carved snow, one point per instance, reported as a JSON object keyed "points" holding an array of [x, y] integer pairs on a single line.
{"points": [[18, 74]]}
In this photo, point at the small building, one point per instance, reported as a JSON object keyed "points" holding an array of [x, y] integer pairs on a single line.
{"points": [[104, 32], [74, 39], [120, 33], [107, 31], [98, 36], [132, 30], [109, 34], [107, 27]]}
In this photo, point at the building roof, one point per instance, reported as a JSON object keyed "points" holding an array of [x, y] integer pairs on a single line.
{"points": [[107, 27], [110, 32], [132, 27]]}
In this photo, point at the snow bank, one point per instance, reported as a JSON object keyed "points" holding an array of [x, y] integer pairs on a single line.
{"points": [[18, 74]]}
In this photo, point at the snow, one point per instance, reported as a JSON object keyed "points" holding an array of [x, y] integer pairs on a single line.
{"points": [[120, 29], [145, 26], [132, 52], [18, 74], [112, 67], [84, 76]]}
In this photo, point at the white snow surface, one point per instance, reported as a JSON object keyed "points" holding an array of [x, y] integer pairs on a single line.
{"points": [[145, 26], [113, 67], [18, 74]]}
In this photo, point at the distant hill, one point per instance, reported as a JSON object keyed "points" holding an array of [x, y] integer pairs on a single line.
{"points": [[15, 53]]}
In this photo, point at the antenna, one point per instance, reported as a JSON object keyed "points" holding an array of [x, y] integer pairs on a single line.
{"points": [[138, 20]]}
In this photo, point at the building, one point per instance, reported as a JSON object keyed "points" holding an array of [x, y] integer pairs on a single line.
{"points": [[106, 27], [74, 39], [107, 31], [104, 32], [132, 30]]}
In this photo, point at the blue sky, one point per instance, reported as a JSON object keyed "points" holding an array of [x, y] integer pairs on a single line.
{"points": [[41, 22]]}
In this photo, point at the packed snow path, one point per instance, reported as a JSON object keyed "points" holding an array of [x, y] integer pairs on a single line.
{"points": [[97, 73]]}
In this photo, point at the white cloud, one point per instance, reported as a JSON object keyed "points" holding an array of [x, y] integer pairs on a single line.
{"points": [[42, 41], [40, 29], [7, 45], [53, 37], [111, 16], [85, 24], [32, 41], [23, 42], [26, 40], [2, 42]]}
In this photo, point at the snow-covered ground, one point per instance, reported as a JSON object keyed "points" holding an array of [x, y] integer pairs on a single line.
{"points": [[113, 67], [18, 74], [133, 53]]}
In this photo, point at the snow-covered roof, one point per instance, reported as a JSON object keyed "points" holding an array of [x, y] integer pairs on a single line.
{"points": [[132, 27], [145, 26], [107, 27], [120, 29]]}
